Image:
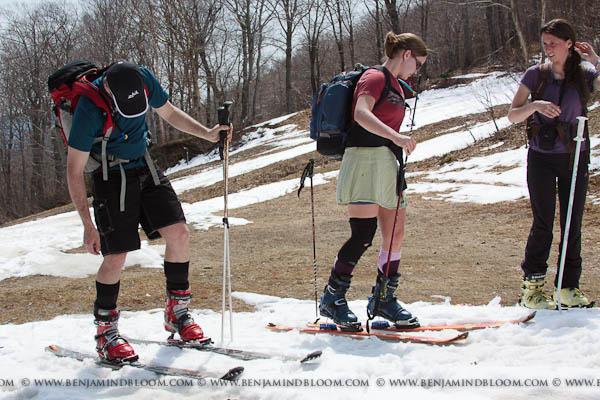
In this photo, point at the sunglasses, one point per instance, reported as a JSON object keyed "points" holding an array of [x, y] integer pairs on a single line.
{"points": [[418, 63]]}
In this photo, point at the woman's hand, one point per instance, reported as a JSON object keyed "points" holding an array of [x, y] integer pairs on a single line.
{"points": [[408, 143], [547, 108], [587, 53]]}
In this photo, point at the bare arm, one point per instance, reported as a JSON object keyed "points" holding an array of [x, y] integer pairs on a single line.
{"points": [[76, 160], [586, 51], [183, 122], [363, 114], [521, 109]]}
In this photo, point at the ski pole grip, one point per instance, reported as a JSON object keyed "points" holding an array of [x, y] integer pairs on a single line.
{"points": [[223, 117], [580, 128]]}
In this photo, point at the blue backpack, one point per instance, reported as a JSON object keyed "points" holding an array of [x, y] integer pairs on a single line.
{"points": [[331, 118]]}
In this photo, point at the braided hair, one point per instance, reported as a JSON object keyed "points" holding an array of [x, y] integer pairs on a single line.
{"points": [[574, 73]]}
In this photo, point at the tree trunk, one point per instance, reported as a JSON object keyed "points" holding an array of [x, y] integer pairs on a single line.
{"points": [[392, 11], [542, 23], [491, 25], [313, 49], [515, 17], [378, 31], [289, 105], [468, 46], [257, 80]]}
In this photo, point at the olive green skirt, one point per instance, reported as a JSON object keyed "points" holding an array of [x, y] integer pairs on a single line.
{"points": [[368, 174]]}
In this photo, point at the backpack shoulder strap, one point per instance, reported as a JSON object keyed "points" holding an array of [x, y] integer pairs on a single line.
{"points": [[544, 79], [388, 84], [84, 87]]}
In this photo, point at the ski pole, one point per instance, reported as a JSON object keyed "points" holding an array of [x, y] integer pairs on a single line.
{"points": [[385, 279], [401, 169], [223, 116], [309, 171], [399, 192], [579, 138], [412, 119]]}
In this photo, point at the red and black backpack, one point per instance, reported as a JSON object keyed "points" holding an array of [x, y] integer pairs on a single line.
{"points": [[68, 84]]}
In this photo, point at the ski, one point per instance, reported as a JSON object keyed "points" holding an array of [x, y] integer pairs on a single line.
{"points": [[332, 329], [230, 375], [239, 354], [462, 327]]}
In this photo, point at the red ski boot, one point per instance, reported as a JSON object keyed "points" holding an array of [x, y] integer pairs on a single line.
{"points": [[179, 320], [109, 344]]}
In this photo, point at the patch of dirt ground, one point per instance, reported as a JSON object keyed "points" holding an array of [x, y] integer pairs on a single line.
{"points": [[468, 252]]}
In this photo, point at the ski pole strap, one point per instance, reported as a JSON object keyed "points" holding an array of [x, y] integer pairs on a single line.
{"points": [[222, 138], [307, 172]]}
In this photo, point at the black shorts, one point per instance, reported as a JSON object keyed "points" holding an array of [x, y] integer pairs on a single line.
{"points": [[152, 206]]}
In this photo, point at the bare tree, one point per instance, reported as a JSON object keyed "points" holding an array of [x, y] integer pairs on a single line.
{"points": [[334, 12], [190, 26], [348, 7], [490, 18], [542, 23], [467, 42], [424, 8], [392, 12], [515, 16], [33, 43], [376, 15], [251, 17], [312, 26], [109, 32], [288, 14]]}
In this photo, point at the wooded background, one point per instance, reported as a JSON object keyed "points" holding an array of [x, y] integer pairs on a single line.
{"points": [[268, 56]]}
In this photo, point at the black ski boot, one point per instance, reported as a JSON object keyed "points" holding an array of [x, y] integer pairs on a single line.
{"points": [[383, 303], [333, 302]]}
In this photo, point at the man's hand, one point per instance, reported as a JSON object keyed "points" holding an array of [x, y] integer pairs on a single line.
{"points": [[213, 134], [76, 161], [91, 239], [182, 121]]}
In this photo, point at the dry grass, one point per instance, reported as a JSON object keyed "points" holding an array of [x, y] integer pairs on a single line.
{"points": [[468, 252]]}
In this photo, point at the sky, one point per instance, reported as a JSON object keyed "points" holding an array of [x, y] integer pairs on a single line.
{"points": [[540, 359]]}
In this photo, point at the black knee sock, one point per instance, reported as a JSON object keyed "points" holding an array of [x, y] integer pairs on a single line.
{"points": [[106, 295], [177, 275]]}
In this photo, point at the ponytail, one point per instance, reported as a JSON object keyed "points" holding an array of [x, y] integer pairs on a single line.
{"points": [[404, 41]]}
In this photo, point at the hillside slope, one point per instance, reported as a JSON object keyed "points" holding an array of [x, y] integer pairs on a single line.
{"points": [[463, 244]]}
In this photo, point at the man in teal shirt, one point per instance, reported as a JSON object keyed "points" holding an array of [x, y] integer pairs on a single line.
{"points": [[149, 201]]}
